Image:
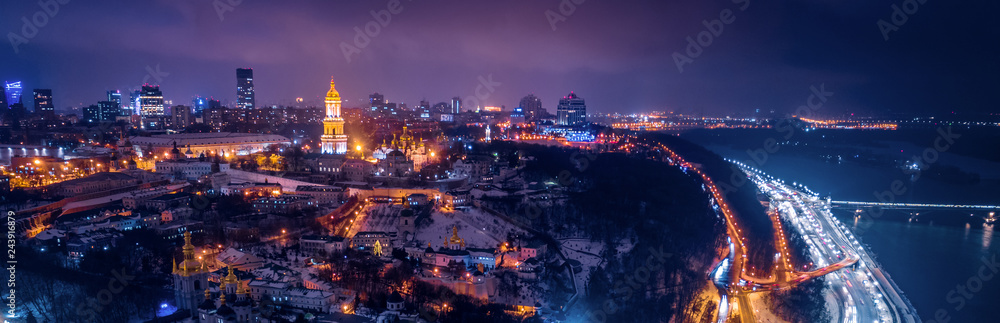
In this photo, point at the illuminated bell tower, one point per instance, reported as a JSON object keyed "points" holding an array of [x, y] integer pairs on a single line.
{"points": [[334, 141], [190, 278]]}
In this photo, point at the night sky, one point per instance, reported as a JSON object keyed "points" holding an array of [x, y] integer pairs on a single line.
{"points": [[615, 54]]}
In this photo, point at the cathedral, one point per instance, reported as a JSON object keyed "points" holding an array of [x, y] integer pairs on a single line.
{"points": [[192, 292], [240, 307], [411, 150], [190, 277], [333, 141]]}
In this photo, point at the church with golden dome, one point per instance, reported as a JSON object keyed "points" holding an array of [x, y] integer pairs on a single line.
{"points": [[190, 277], [333, 141], [193, 294]]}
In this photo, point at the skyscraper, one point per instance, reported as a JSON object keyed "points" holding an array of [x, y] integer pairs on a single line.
{"points": [[13, 90], [3, 99], [531, 105], [200, 104], [150, 101], [245, 98], [115, 96], [133, 102], [456, 105], [180, 116], [43, 103], [376, 101], [517, 116], [333, 140], [109, 110], [571, 111]]}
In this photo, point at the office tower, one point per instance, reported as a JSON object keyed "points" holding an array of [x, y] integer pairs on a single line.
{"points": [[200, 104], [571, 111], [91, 114], [531, 105], [13, 90], [115, 96], [3, 99], [150, 101], [134, 102], [108, 110], [456, 105], [180, 116], [43, 103], [333, 140], [376, 101], [424, 109], [517, 116], [244, 89], [104, 111]]}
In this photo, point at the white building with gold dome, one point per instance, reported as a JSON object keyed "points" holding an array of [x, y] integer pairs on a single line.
{"points": [[190, 278], [333, 141]]}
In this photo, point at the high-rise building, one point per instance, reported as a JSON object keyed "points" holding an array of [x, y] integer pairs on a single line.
{"points": [[13, 90], [517, 116], [376, 101], [91, 114], [116, 98], [43, 102], [133, 101], [109, 110], [424, 109], [333, 141], [150, 101], [571, 111], [200, 104], [3, 99], [456, 105], [180, 116], [245, 98], [531, 105]]}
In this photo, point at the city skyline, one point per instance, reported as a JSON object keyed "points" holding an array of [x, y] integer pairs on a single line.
{"points": [[192, 49]]}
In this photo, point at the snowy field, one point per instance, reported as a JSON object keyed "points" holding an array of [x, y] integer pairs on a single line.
{"points": [[586, 252], [479, 229]]}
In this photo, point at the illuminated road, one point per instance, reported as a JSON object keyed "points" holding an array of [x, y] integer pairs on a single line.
{"points": [[860, 290], [865, 293], [916, 205]]}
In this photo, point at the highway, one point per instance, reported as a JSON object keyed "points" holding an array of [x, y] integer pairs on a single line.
{"points": [[865, 293]]}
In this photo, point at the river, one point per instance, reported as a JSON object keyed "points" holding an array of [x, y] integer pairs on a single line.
{"points": [[927, 257]]}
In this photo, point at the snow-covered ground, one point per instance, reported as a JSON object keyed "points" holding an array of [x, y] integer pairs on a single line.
{"points": [[586, 252], [761, 312], [478, 228]]}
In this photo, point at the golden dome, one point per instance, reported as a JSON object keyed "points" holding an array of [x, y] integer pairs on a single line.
{"points": [[189, 265], [455, 240], [332, 95]]}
